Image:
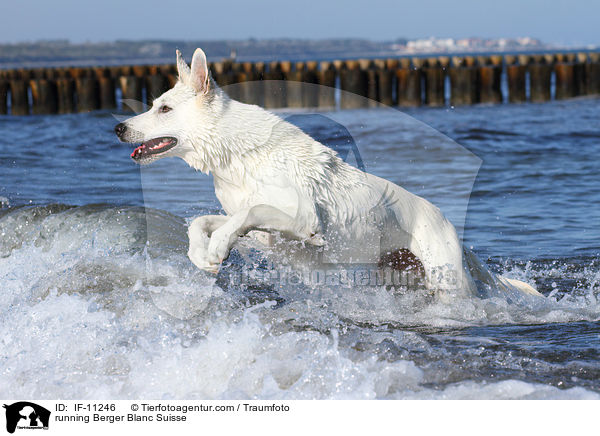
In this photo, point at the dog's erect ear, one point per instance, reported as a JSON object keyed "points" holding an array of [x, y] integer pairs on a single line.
{"points": [[183, 69], [199, 79]]}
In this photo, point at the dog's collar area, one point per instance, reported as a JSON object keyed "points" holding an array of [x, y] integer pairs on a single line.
{"points": [[154, 147]]}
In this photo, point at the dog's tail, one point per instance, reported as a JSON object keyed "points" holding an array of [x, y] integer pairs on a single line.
{"points": [[521, 286]]}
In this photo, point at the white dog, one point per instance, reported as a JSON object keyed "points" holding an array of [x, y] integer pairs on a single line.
{"points": [[272, 177]]}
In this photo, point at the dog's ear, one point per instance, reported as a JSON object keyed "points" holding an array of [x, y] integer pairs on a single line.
{"points": [[183, 69], [199, 78]]}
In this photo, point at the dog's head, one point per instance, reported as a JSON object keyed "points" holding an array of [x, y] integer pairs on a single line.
{"points": [[178, 120]]}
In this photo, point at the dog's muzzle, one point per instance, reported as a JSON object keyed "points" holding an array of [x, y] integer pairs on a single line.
{"points": [[120, 130], [152, 149]]}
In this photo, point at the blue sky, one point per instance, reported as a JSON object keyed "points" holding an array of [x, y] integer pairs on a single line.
{"points": [[572, 22]]}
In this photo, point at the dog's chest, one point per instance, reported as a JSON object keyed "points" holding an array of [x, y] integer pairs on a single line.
{"points": [[233, 196], [239, 191]]}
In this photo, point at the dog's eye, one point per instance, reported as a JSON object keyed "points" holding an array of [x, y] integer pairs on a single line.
{"points": [[164, 109]]}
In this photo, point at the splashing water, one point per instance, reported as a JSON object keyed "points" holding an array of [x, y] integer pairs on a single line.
{"points": [[102, 314], [101, 301]]}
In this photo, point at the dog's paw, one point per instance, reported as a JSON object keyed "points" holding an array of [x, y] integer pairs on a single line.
{"points": [[218, 246], [201, 260]]}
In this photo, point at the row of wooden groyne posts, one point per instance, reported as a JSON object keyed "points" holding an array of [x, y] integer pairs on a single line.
{"points": [[404, 82]]}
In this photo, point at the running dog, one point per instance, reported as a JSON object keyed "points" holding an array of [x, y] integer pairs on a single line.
{"points": [[271, 177]]}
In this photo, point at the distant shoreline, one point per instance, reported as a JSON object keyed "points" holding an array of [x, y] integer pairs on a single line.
{"points": [[63, 53]]}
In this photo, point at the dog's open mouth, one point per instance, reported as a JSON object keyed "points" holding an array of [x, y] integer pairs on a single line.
{"points": [[154, 147]]}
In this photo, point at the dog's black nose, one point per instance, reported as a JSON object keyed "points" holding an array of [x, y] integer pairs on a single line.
{"points": [[120, 129]]}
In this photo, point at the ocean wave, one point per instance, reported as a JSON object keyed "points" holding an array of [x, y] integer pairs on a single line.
{"points": [[101, 301]]}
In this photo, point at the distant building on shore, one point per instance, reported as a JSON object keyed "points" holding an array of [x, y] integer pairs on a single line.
{"points": [[437, 45]]}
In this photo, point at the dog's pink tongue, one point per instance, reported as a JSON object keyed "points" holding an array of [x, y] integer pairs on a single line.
{"points": [[162, 144], [137, 150]]}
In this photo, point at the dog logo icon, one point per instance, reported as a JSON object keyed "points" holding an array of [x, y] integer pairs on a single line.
{"points": [[26, 415]]}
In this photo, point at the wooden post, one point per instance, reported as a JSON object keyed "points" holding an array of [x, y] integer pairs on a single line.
{"points": [[483, 60], [537, 58], [496, 60], [37, 74], [416, 62], [156, 85], [368, 68], [564, 81], [250, 87], [66, 95], [444, 62], [274, 86], [385, 81], [469, 61], [404, 63], [294, 80], [258, 88], [239, 77], [408, 86], [44, 96], [19, 101], [489, 84], [592, 74], [510, 59], [385, 86], [463, 85], [539, 82], [524, 59], [88, 94], [131, 88], [516, 75], [434, 85], [24, 74], [77, 73], [372, 86], [221, 72], [107, 93], [125, 70], [139, 70], [260, 68], [230, 80], [310, 95], [326, 77], [51, 73], [354, 82], [167, 69], [3, 97], [106, 87], [579, 78], [114, 72], [12, 75]]}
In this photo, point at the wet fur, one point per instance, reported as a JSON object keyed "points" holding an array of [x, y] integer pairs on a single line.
{"points": [[272, 177]]}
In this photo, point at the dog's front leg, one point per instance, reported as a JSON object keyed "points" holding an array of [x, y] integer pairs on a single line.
{"points": [[199, 233], [261, 217]]}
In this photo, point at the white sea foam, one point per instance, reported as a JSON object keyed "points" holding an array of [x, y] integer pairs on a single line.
{"points": [[88, 310]]}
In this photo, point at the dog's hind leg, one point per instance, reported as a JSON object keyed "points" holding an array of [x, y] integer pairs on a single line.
{"points": [[199, 234], [261, 217]]}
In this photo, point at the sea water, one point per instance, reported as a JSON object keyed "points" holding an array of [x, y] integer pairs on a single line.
{"points": [[99, 300]]}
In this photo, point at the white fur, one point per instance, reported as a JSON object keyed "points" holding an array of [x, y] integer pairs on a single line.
{"points": [[271, 176]]}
